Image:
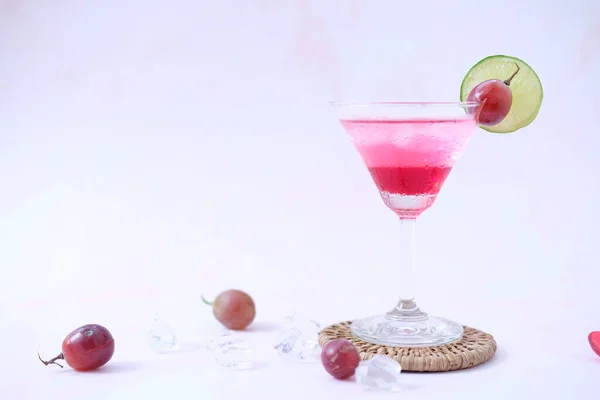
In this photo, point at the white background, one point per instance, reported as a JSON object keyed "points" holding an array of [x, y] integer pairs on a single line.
{"points": [[151, 151]]}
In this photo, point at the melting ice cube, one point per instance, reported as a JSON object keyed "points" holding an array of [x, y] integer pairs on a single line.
{"points": [[380, 373], [305, 325], [231, 350], [293, 344], [225, 339], [237, 355], [161, 337]]}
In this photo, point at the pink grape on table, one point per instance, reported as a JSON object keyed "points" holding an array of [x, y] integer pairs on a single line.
{"points": [[495, 97], [234, 309], [340, 358], [594, 339]]}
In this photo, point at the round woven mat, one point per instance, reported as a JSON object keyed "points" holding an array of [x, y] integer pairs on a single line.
{"points": [[474, 348]]}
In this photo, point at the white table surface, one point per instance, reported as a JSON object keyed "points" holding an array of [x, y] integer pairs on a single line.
{"points": [[542, 359]]}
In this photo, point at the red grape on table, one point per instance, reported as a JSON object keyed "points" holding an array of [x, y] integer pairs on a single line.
{"points": [[233, 308], [340, 358], [86, 348]]}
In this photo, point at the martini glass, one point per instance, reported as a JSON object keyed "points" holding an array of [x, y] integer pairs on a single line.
{"points": [[409, 149]]}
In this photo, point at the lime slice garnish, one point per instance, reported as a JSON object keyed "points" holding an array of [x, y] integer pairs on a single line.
{"points": [[526, 87]]}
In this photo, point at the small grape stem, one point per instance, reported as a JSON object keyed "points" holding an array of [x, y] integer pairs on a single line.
{"points": [[208, 303], [507, 82], [53, 360]]}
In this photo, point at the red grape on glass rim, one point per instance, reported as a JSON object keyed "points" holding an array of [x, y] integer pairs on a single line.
{"points": [[495, 98], [509, 90]]}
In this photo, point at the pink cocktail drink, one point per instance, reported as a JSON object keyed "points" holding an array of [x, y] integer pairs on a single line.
{"points": [[409, 159], [410, 150]]}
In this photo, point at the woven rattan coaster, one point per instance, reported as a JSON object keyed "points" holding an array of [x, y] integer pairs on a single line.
{"points": [[474, 348]]}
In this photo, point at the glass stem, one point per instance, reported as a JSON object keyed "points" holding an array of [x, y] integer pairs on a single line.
{"points": [[407, 308]]}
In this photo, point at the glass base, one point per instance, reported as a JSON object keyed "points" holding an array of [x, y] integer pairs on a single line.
{"points": [[392, 330]]}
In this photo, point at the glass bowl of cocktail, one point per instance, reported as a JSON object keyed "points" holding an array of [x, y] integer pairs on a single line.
{"points": [[410, 149]]}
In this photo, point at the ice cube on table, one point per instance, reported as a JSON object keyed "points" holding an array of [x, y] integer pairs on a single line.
{"points": [[234, 354], [379, 373], [305, 325], [309, 351], [300, 340], [232, 351], [225, 339], [293, 344], [161, 337]]}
